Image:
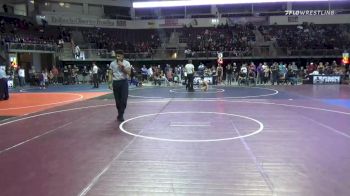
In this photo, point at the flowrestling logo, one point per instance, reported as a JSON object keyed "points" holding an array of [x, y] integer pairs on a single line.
{"points": [[310, 12]]}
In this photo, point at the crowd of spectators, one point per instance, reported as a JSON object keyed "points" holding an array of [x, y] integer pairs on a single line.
{"points": [[66, 75], [245, 73], [14, 25], [308, 36], [241, 73], [22, 31], [236, 39], [130, 41]]}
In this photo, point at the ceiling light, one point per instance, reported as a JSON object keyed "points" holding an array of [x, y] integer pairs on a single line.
{"points": [[152, 4]]}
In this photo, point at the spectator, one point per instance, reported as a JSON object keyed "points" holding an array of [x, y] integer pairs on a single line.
{"points": [[21, 76], [291, 76], [229, 72], [95, 75], [77, 52], [5, 8]]}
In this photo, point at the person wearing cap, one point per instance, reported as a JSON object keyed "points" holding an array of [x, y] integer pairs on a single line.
{"points": [[121, 70]]}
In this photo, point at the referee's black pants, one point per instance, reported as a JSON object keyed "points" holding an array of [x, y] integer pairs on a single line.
{"points": [[4, 91], [190, 82], [121, 92], [95, 80]]}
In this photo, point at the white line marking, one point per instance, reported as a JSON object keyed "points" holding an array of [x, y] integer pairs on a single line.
{"points": [[34, 138], [189, 125], [74, 89], [26, 90], [255, 160], [263, 95], [218, 90], [8, 119], [298, 106], [72, 109], [146, 97], [97, 178], [328, 127], [33, 106], [261, 127], [265, 103], [191, 122], [179, 100]]}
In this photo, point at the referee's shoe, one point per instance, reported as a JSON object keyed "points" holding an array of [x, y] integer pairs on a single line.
{"points": [[120, 118]]}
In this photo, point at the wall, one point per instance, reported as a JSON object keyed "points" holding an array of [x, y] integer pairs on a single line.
{"points": [[20, 9], [72, 9], [76, 9], [95, 10], [90, 21], [122, 3], [46, 61], [36, 61]]}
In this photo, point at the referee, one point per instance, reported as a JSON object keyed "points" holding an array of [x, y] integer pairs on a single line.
{"points": [[189, 67], [121, 69], [4, 91]]}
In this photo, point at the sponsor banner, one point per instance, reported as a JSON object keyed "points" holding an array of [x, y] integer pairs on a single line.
{"points": [[66, 20], [316, 19], [170, 23], [197, 79], [79, 21], [320, 79], [10, 83]]}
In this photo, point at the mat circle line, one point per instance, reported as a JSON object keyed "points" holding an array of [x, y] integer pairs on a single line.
{"points": [[261, 127], [218, 90], [275, 92], [80, 97], [157, 101]]}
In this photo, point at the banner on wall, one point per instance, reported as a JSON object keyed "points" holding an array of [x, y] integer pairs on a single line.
{"points": [[300, 19], [208, 79], [171, 23], [10, 83], [322, 79], [80, 21], [152, 24]]}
